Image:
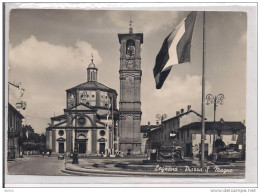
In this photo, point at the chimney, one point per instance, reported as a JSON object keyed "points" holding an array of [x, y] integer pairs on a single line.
{"points": [[188, 108], [177, 113], [182, 111], [157, 122], [221, 120]]}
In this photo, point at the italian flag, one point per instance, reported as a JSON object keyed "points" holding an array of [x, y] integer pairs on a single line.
{"points": [[175, 49]]}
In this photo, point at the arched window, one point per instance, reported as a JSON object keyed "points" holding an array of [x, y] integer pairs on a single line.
{"points": [[130, 48]]}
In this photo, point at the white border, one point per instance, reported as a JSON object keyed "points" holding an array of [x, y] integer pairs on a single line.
{"points": [[251, 163]]}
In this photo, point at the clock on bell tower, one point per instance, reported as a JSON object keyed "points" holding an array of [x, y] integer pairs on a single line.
{"points": [[130, 89]]}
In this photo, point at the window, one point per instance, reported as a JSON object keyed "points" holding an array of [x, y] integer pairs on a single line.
{"points": [[188, 133], [102, 133], [61, 132], [177, 136], [93, 96], [234, 137], [81, 121], [182, 135]]}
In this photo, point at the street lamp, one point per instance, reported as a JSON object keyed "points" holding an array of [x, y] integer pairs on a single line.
{"points": [[216, 100], [75, 153], [161, 117]]}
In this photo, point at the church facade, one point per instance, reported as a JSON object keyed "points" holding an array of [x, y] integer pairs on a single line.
{"points": [[90, 119]]}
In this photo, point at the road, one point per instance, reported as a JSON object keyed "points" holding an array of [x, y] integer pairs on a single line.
{"points": [[36, 165]]}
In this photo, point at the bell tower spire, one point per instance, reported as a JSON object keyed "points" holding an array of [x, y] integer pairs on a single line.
{"points": [[92, 71]]}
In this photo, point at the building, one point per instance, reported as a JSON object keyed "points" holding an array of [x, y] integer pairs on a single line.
{"points": [[224, 133], [130, 88], [14, 129], [159, 135], [144, 140], [187, 126], [90, 119]]}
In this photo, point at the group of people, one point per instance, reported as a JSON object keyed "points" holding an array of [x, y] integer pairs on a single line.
{"points": [[47, 153]]}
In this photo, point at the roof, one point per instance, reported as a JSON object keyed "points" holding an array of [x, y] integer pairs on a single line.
{"points": [[218, 125], [15, 110], [133, 35], [182, 114], [92, 85], [144, 128], [104, 116], [92, 65], [58, 117]]}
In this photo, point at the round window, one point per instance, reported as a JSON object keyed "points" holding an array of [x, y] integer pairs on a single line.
{"points": [[82, 120], [61, 132], [102, 132]]}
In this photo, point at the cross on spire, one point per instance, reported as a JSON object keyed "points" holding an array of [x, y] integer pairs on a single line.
{"points": [[130, 25], [92, 57]]}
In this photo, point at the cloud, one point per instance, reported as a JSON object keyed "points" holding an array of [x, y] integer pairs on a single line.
{"points": [[176, 94], [33, 55], [145, 22], [46, 71]]}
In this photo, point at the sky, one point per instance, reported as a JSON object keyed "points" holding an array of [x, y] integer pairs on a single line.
{"points": [[49, 51]]}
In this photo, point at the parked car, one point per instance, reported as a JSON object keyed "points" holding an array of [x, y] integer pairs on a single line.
{"points": [[60, 156], [229, 155]]}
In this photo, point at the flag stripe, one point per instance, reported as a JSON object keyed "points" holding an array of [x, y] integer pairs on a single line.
{"points": [[161, 77], [184, 45], [162, 57], [173, 58]]}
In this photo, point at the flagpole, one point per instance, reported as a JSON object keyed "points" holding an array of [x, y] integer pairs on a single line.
{"points": [[203, 99]]}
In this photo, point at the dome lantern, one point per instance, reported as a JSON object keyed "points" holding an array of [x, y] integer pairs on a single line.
{"points": [[92, 71]]}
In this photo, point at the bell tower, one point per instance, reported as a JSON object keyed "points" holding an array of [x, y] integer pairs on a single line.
{"points": [[130, 91]]}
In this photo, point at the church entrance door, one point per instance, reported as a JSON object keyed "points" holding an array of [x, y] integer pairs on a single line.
{"points": [[61, 147], [102, 148], [82, 147]]}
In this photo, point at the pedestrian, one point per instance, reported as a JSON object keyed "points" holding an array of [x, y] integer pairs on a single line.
{"points": [[42, 153]]}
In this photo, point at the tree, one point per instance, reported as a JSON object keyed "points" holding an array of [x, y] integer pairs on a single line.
{"points": [[29, 140]]}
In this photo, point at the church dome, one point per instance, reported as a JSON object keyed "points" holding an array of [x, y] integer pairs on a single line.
{"points": [[91, 65], [91, 85], [91, 93]]}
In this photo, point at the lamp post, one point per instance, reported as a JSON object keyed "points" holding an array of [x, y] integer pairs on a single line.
{"points": [[75, 153], [216, 100], [161, 117]]}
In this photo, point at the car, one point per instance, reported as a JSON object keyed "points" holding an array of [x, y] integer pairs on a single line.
{"points": [[229, 155], [60, 156]]}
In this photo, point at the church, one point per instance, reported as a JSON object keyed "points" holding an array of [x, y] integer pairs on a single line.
{"points": [[91, 121]]}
